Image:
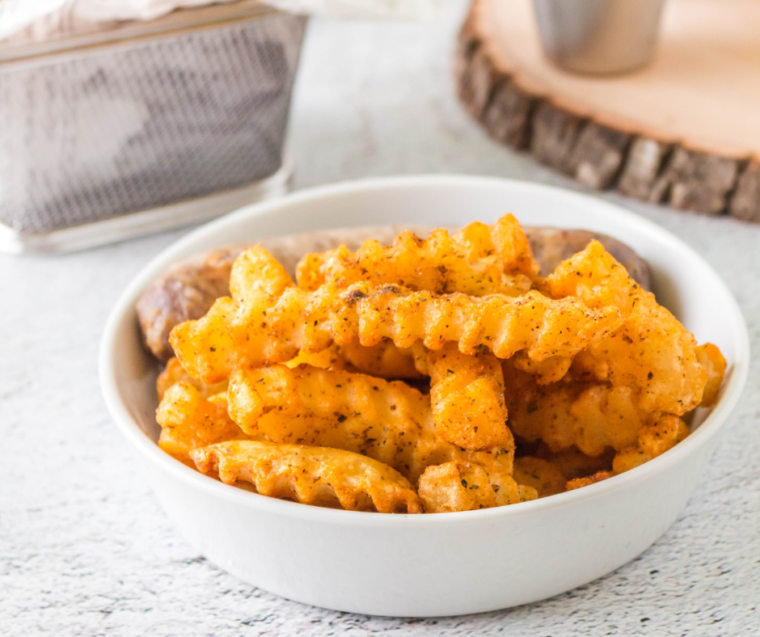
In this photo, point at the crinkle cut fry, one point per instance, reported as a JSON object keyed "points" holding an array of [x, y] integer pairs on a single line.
{"points": [[539, 474], [506, 239], [467, 398], [503, 325], [462, 486], [592, 417], [654, 439], [263, 328], [587, 481], [384, 360], [330, 358], [711, 358], [310, 475], [652, 352], [173, 373], [589, 415], [237, 329], [189, 420], [434, 264], [388, 421], [476, 261]]}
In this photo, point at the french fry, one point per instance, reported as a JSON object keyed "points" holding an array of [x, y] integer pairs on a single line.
{"points": [[589, 415], [715, 365], [189, 420], [173, 373], [467, 398], [505, 240], [388, 421], [462, 486], [539, 474], [261, 327], [310, 475], [584, 366], [578, 483], [383, 360], [653, 440], [330, 358], [572, 463], [478, 260], [652, 352]]}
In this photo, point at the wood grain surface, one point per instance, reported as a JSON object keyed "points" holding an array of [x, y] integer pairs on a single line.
{"points": [[684, 131]]}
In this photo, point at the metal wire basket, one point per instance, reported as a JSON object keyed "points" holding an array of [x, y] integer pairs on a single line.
{"points": [[112, 136]]}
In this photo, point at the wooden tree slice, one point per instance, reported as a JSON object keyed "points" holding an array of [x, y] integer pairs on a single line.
{"points": [[684, 131]]}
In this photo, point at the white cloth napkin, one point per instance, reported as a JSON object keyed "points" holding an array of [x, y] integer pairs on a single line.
{"points": [[52, 18]]}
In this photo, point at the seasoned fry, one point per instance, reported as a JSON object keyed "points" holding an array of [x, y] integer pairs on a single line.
{"points": [[462, 486], [539, 474], [589, 480], [505, 239], [498, 323], [384, 360], [310, 475], [652, 352], [478, 260], [467, 398], [654, 439], [296, 391], [590, 415], [173, 374], [330, 358], [388, 421], [573, 463], [549, 370], [188, 420], [715, 365], [264, 328]]}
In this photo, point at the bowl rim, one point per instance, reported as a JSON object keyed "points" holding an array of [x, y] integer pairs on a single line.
{"points": [[124, 310]]}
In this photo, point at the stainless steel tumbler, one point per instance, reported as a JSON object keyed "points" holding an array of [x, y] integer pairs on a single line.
{"points": [[599, 37]]}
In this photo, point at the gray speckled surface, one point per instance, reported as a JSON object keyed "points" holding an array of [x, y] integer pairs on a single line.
{"points": [[85, 548]]}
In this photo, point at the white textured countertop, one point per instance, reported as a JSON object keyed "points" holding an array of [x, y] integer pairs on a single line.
{"points": [[85, 548]]}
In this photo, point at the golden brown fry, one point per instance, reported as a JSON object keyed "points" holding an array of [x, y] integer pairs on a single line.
{"points": [[262, 328], [173, 374], [467, 398], [330, 358], [549, 370], [388, 421], [478, 260], [462, 486], [384, 360], [503, 325], [539, 474], [714, 363], [599, 476], [505, 239], [188, 420], [591, 416], [256, 270], [573, 463], [652, 352], [310, 475], [654, 439]]}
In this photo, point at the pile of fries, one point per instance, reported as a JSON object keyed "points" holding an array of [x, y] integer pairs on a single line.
{"points": [[430, 376]]}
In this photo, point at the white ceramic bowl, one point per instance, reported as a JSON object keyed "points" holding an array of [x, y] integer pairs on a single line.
{"points": [[430, 565]]}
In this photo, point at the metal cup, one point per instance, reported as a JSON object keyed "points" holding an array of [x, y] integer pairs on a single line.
{"points": [[599, 37]]}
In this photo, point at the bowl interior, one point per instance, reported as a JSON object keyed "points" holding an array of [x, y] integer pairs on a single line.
{"points": [[683, 281]]}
